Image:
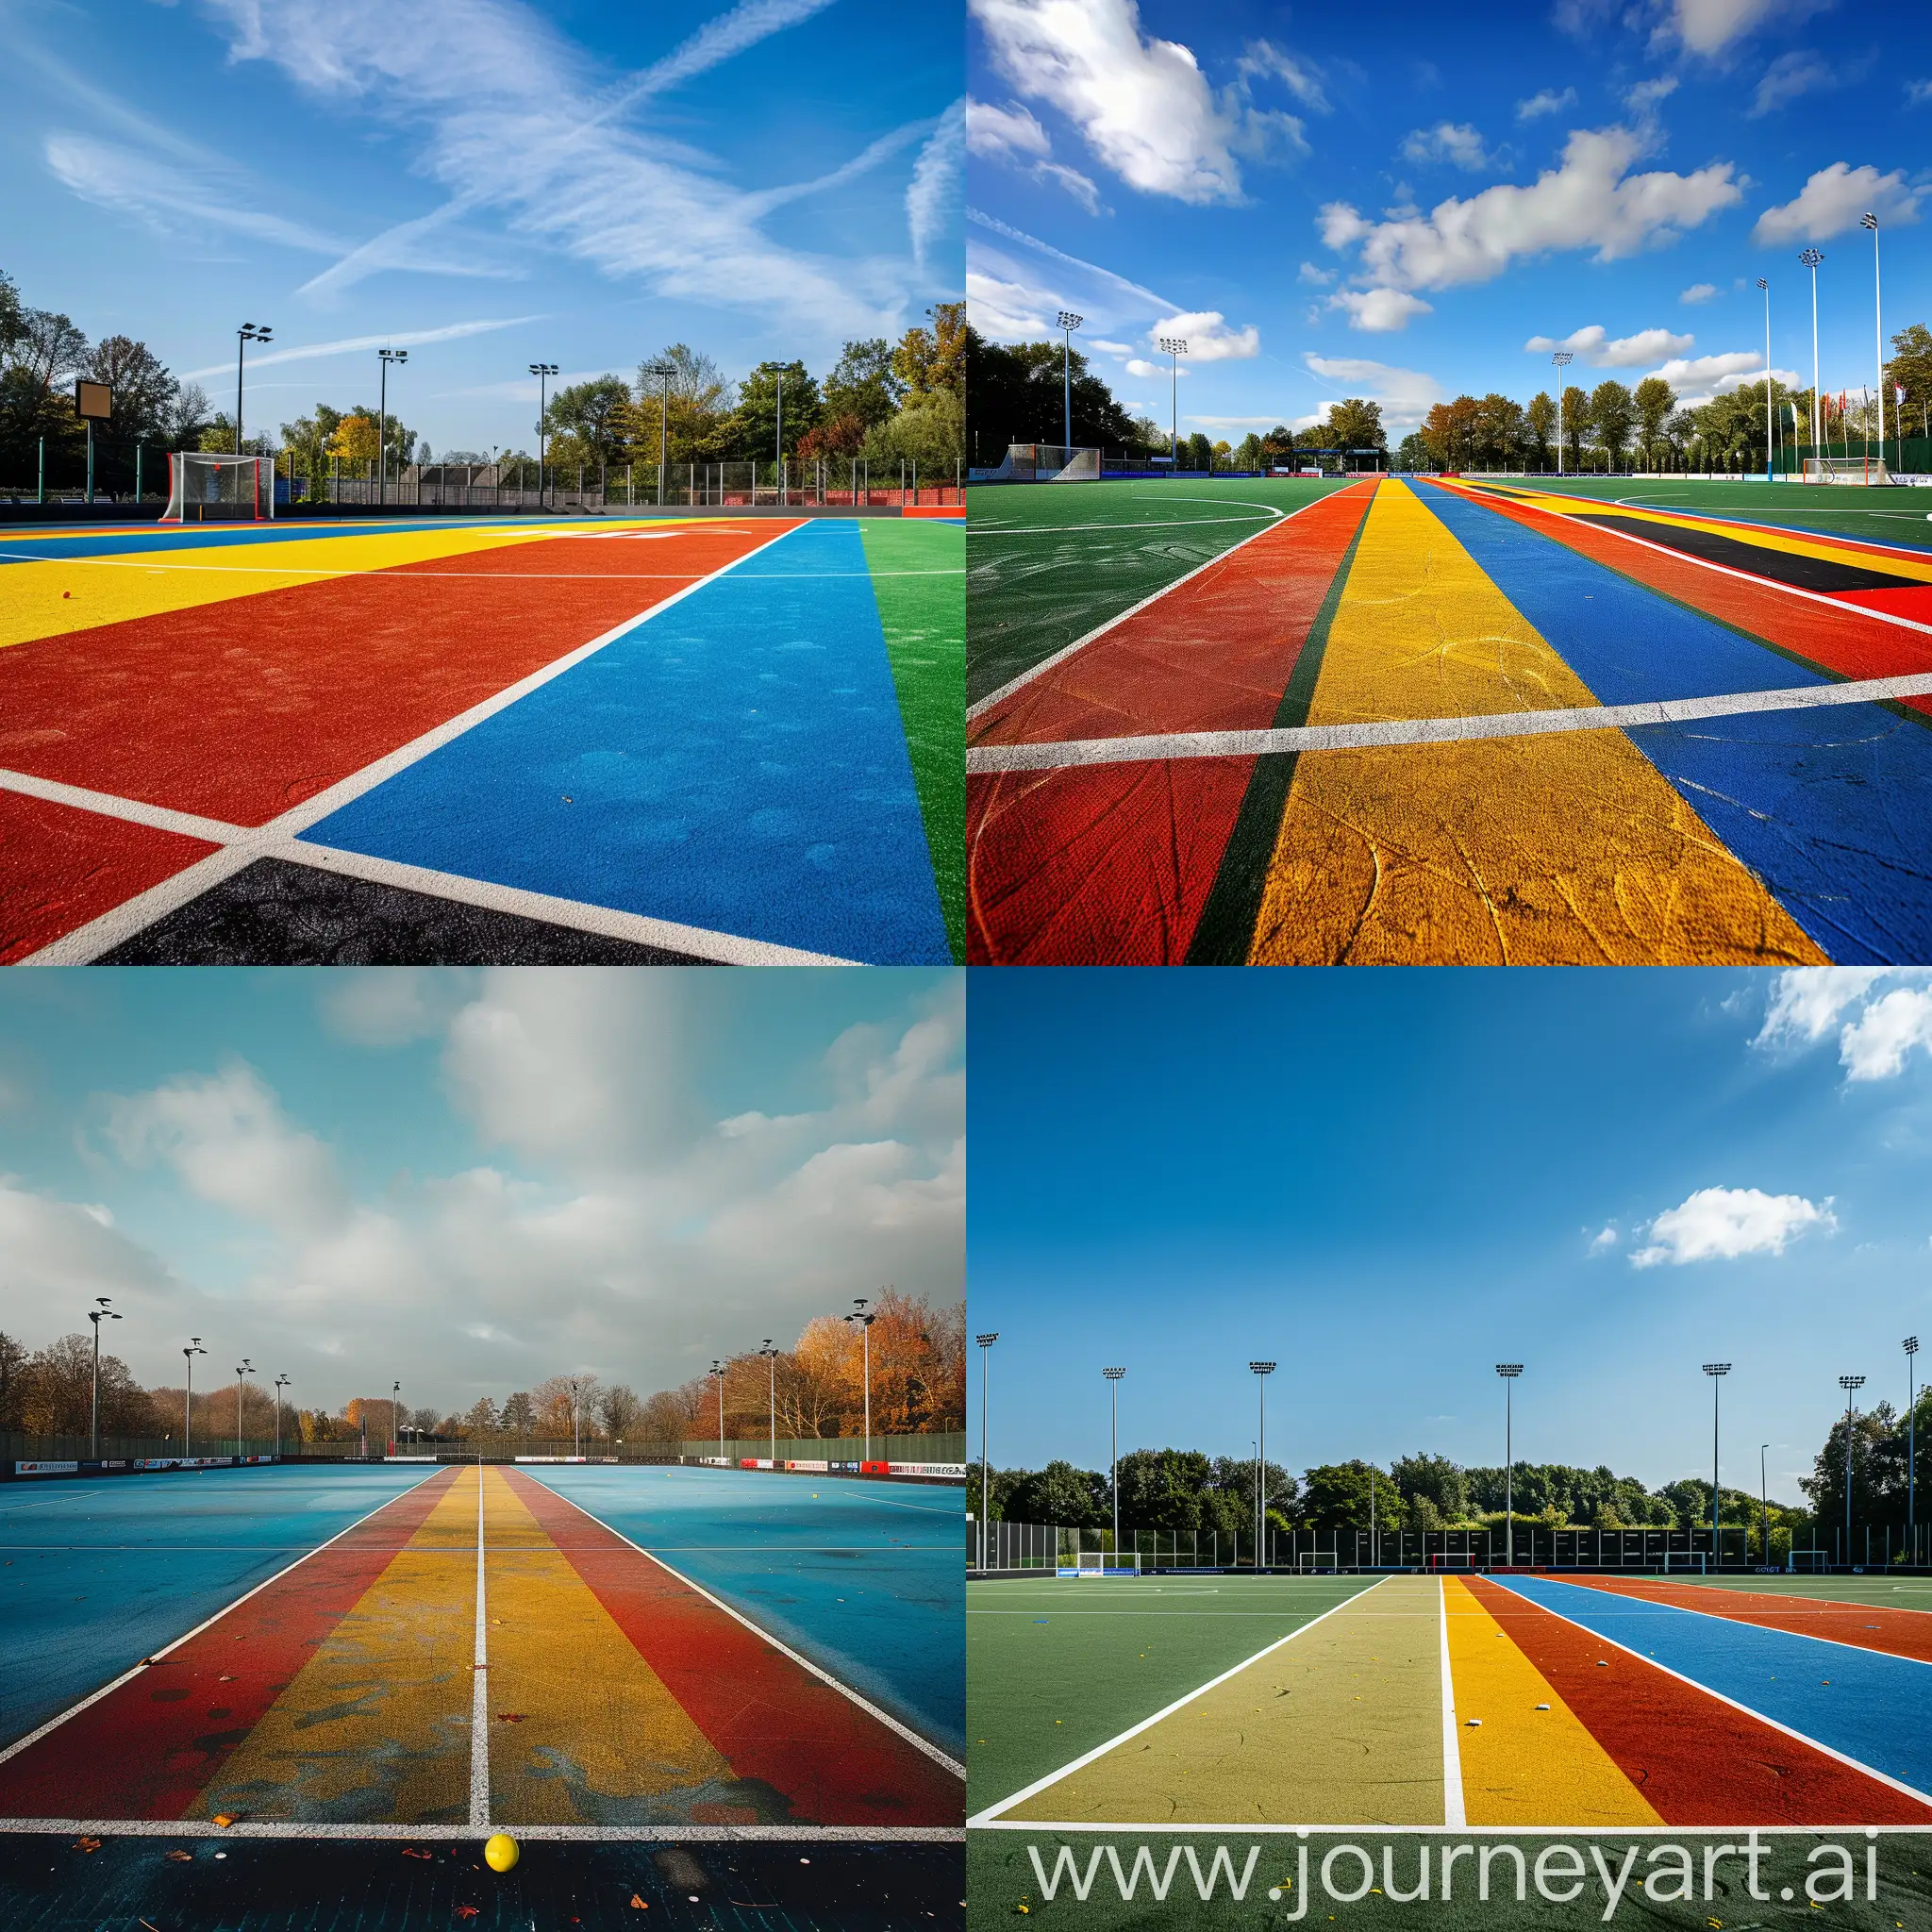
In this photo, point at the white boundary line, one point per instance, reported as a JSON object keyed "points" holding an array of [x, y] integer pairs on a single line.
{"points": [[805, 1663], [990, 1815], [1166, 1828], [54, 1724], [403, 575], [1816, 1745], [986, 759], [1723, 570], [1454, 1815], [1080, 644], [277, 839], [1054, 529], [412, 1834], [479, 1689]]}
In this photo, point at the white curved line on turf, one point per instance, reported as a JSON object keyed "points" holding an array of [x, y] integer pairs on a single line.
{"points": [[1080, 644], [1054, 529], [1163, 746]]}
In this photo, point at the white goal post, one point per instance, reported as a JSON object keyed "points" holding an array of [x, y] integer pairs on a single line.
{"points": [[1046, 462], [1096, 1564], [1859, 470], [204, 488]]}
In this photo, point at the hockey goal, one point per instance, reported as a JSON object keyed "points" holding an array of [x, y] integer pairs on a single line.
{"points": [[1046, 462], [1846, 470], [205, 489]]}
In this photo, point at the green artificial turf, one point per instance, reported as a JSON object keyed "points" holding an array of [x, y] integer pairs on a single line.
{"points": [[925, 621], [1047, 563], [1055, 1668]]}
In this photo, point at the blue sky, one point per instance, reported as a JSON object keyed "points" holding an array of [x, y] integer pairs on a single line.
{"points": [[1390, 1181], [473, 1180], [487, 182], [1324, 202]]}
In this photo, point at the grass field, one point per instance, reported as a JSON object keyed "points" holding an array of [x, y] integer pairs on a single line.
{"points": [[1421, 722], [609, 741], [720, 1684], [1419, 1713]]}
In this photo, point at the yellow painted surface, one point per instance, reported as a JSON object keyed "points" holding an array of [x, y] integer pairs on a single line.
{"points": [[375, 1727], [1340, 1726], [1523, 1766], [600, 1740], [1563, 849]]}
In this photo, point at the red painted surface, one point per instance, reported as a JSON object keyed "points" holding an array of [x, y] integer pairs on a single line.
{"points": [[149, 1748], [61, 867], [1114, 862], [1897, 1633], [242, 710], [770, 1719], [1836, 636], [1696, 1759]]}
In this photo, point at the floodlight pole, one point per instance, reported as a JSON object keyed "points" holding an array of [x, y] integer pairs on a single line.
{"points": [[543, 371], [193, 1349], [1562, 358], [244, 335], [1113, 1391], [576, 1429], [663, 372], [396, 1427], [1261, 1371], [1871, 221], [98, 1316], [1510, 1370], [718, 1369], [247, 1368], [1911, 1442], [985, 1342], [388, 356], [1717, 1372], [771, 1356], [1851, 1385], [781, 449], [1811, 257], [1069, 322], [865, 1322], [281, 1383], [1764, 1500], [1765, 287], [1176, 347]]}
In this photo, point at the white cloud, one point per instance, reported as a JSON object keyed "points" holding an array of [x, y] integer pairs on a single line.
{"points": [[1457, 143], [1918, 93], [1698, 291], [1886, 1012], [1605, 1239], [1208, 337], [1379, 311], [1642, 99], [998, 134], [390, 1007], [1006, 311], [1590, 201], [1109, 346], [1314, 276], [1833, 200], [1139, 365], [352, 345], [720, 40], [1302, 78], [1143, 104], [1626, 352], [1407, 395], [1723, 1223], [1791, 75], [1710, 27], [1547, 101], [995, 226], [932, 196]]}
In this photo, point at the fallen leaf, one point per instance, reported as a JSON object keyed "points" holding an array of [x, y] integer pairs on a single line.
{"points": [[468, 1911], [510, 1716], [182, 1857], [411, 1852], [225, 1818], [637, 1905], [87, 1844]]}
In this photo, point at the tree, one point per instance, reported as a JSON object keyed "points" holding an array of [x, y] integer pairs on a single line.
{"points": [[700, 406], [1356, 424], [834, 436], [353, 439], [598, 414], [519, 1417], [1575, 422], [1912, 366], [1539, 425], [1073, 1498], [481, 1418], [1433, 1478], [1496, 430], [864, 384], [563, 1403], [144, 392], [1200, 452], [1612, 411], [1336, 1498], [1653, 401], [58, 1388], [1017, 396], [307, 440], [1413, 453], [926, 360], [618, 1409], [755, 423], [13, 1358]]}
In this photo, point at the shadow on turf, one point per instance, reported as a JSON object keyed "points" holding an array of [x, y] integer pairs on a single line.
{"points": [[51, 1884]]}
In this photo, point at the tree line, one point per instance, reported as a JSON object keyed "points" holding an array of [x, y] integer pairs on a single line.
{"points": [[918, 1387]]}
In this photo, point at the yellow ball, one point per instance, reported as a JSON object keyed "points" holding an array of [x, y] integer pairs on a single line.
{"points": [[500, 1853]]}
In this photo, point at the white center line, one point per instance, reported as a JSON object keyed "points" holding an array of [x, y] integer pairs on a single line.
{"points": [[479, 1687]]}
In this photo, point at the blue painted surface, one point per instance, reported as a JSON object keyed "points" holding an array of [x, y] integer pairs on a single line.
{"points": [[153, 537], [1828, 806], [1873, 1707], [864, 1578], [95, 1574], [735, 762]]}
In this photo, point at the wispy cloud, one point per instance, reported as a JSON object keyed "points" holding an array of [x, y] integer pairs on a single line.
{"points": [[403, 338], [933, 193], [997, 227]]}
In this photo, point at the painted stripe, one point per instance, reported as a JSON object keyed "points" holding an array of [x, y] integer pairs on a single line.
{"points": [[1871, 1710], [1698, 1759], [548, 1834], [785, 1731], [1224, 744], [479, 1679], [739, 767], [1455, 1811], [1526, 1757], [145, 1744], [1829, 818], [1121, 866], [1546, 849], [1345, 1723]]}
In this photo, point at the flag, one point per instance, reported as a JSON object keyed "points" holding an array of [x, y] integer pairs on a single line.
{"points": [[1898, 390]]}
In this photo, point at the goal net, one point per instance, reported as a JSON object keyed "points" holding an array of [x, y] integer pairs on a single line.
{"points": [[1098, 1563], [205, 489], [1846, 470], [1047, 462]]}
